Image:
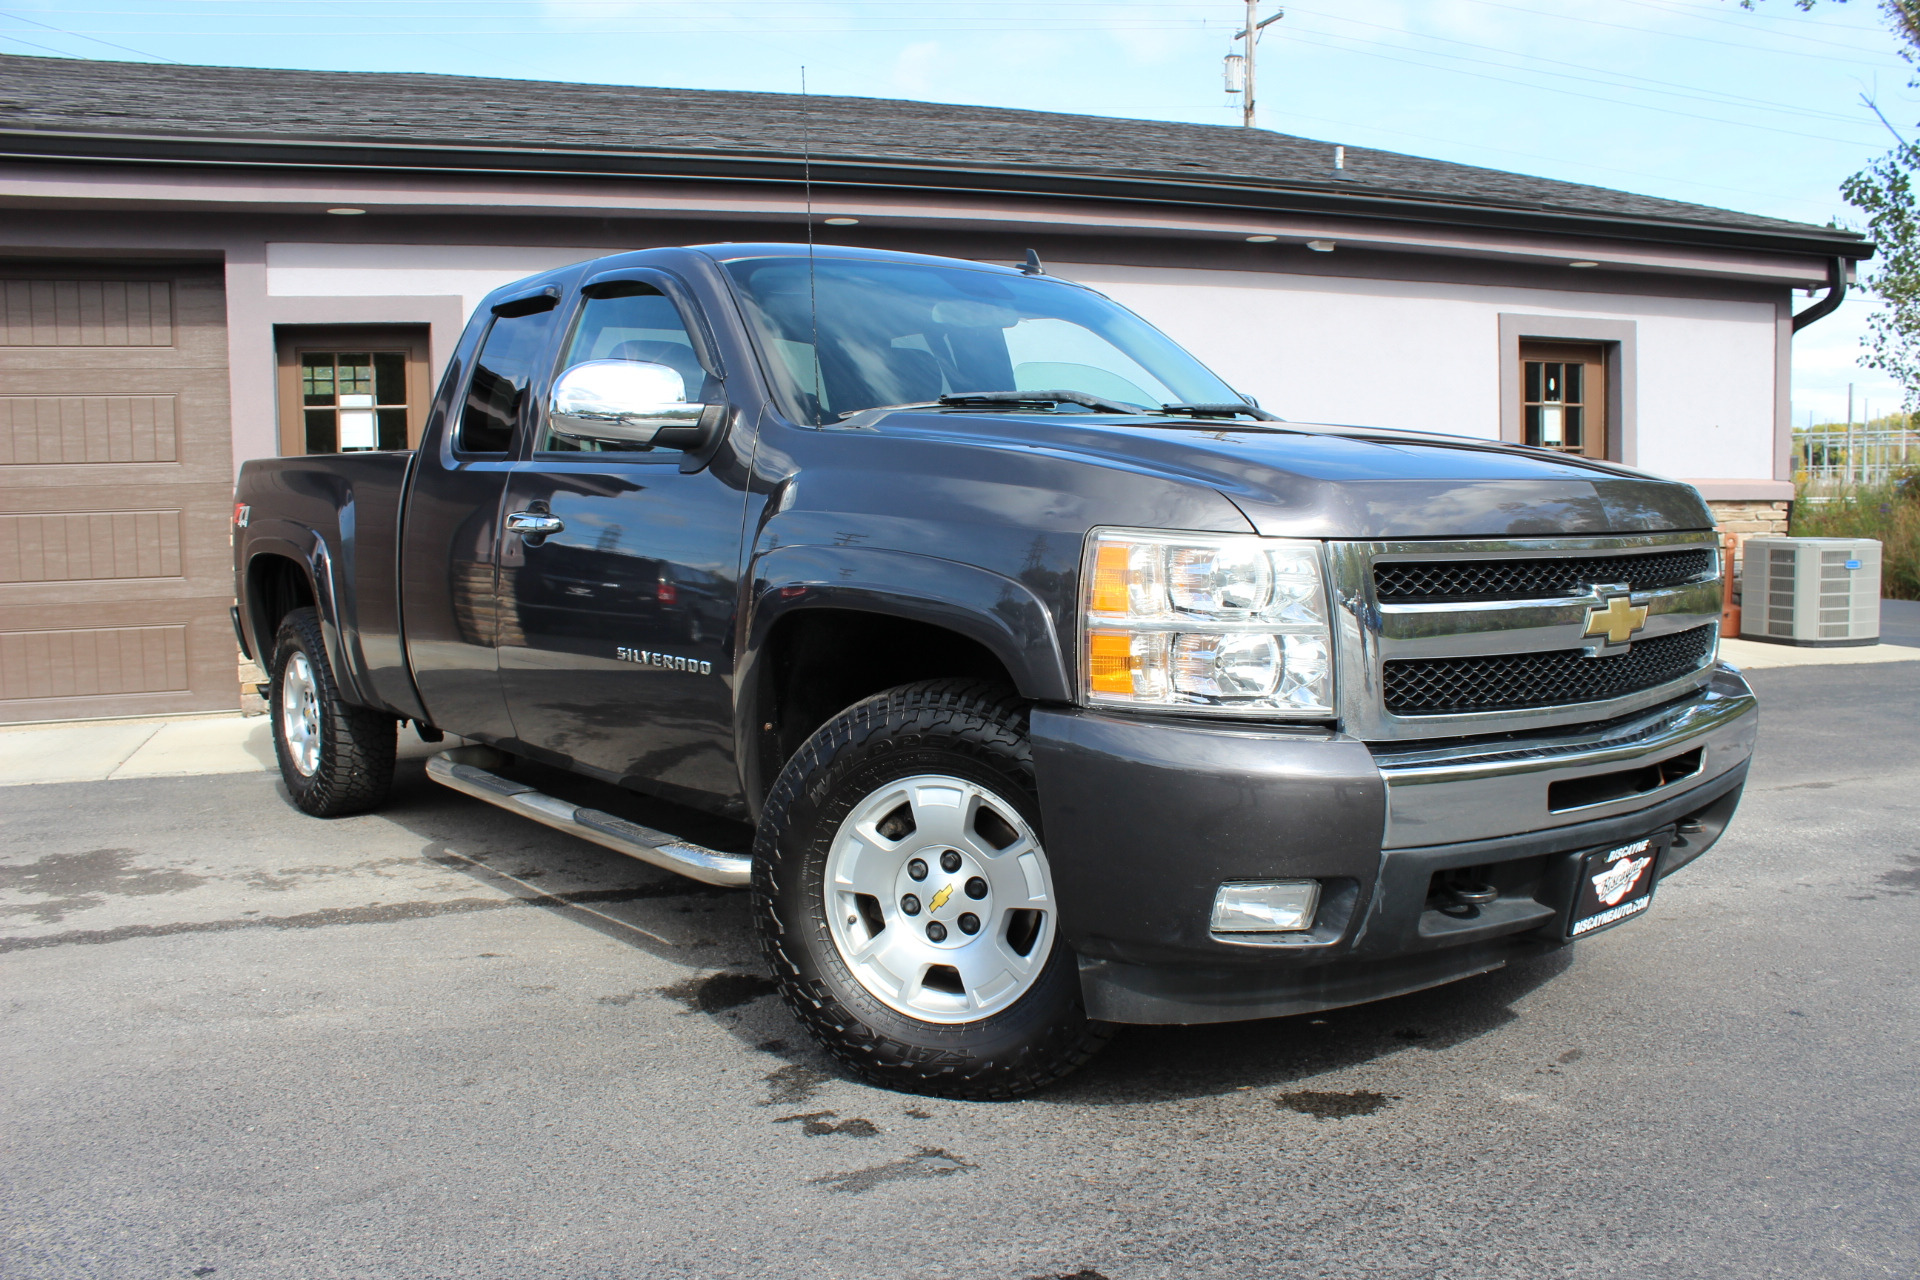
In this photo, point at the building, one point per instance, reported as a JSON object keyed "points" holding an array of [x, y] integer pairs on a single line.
{"points": [[203, 265]]}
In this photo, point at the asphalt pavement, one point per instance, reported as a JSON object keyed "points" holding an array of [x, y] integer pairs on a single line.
{"points": [[443, 1041]]}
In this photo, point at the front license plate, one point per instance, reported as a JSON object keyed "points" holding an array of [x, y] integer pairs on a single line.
{"points": [[1615, 884]]}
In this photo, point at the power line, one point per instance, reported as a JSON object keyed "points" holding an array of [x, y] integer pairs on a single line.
{"points": [[1297, 38], [80, 36], [58, 53], [1678, 35], [1656, 86], [1530, 155]]}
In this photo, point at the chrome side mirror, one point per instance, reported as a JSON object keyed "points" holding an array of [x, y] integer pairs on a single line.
{"points": [[620, 402]]}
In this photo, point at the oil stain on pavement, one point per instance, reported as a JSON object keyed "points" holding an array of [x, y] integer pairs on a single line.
{"points": [[817, 1124], [792, 1084], [1333, 1106], [79, 881], [925, 1162]]}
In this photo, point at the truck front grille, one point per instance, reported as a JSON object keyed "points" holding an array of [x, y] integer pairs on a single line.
{"points": [[1433, 581], [1507, 682]]}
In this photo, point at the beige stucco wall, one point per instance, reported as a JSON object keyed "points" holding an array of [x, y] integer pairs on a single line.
{"points": [[1425, 356]]}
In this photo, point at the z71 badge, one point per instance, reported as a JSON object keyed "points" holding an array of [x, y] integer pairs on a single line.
{"points": [[650, 658]]}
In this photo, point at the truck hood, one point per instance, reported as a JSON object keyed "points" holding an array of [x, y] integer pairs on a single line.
{"points": [[1330, 481]]}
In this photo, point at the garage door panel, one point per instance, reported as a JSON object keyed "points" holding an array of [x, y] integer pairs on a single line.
{"points": [[87, 430], [86, 313], [92, 546], [167, 652], [91, 662], [57, 553], [115, 492]]}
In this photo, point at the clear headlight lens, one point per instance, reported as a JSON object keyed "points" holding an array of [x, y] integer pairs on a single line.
{"points": [[1230, 624]]}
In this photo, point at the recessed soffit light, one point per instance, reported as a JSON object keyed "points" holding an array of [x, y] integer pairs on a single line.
{"points": [[1583, 263], [843, 222], [1261, 239], [345, 212]]}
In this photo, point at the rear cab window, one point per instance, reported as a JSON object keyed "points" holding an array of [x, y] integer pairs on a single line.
{"points": [[496, 396]]}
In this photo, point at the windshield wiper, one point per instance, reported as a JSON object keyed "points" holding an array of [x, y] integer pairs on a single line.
{"points": [[966, 399], [1222, 411]]}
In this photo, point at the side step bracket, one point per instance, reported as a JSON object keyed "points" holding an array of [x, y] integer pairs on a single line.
{"points": [[469, 770]]}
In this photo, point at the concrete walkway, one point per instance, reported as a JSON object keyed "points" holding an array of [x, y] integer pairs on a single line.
{"points": [[98, 750], [1757, 654]]}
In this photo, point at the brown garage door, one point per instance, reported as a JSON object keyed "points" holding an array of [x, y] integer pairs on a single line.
{"points": [[116, 471]]}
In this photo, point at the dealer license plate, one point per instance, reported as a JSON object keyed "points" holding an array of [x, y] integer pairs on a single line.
{"points": [[1615, 885]]}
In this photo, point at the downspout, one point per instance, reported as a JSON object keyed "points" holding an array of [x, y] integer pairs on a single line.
{"points": [[1836, 294]]}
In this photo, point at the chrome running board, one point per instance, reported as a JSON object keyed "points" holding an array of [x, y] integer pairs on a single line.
{"points": [[466, 769]]}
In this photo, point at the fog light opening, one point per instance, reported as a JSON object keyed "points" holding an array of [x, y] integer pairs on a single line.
{"points": [[1266, 906]]}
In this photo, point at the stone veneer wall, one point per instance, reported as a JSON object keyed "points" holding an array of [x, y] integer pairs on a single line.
{"points": [[1745, 519], [251, 703]]}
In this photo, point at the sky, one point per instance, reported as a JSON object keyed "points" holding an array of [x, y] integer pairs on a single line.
{"points": [[1760, 110]]}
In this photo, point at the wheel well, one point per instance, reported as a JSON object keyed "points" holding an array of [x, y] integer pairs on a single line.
{"points": [[276, 586], [819, 662]]}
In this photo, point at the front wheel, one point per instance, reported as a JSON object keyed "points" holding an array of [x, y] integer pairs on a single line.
{"points": [[336, 758], [904, 900]]}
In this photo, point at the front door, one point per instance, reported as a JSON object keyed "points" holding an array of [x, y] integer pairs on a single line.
{"points": [[616, 630], [1564, 397], [452, 533]]}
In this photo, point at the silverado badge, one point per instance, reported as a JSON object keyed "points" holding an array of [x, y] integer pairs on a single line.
{"points": [[1617, 620]]}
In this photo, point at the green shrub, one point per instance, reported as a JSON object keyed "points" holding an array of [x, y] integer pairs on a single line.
{"points": [[1888, 512]]}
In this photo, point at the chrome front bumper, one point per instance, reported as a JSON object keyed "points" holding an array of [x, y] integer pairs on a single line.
{"points": [[1449, 794]]}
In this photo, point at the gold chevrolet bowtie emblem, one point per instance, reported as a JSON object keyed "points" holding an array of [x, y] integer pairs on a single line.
{"points": [[1618, 621], [940, 898]]}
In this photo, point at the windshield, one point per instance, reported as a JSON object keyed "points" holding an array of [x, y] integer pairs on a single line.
{"points": [[908, 333]]}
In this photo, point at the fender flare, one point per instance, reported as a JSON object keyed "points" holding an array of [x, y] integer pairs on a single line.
{"points": [[308, 549], [998, 612]]}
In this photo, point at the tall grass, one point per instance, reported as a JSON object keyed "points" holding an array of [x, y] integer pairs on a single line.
{"points": [[1889, 512]]}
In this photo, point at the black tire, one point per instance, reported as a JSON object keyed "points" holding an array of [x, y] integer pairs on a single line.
{"points": [[969, 729], [350, 748]]}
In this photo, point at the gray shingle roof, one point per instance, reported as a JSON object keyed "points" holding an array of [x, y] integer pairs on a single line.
{"points": [[386, 116]]}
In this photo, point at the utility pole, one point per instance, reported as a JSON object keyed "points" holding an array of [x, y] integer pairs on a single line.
{"points": [[1240, 73]]}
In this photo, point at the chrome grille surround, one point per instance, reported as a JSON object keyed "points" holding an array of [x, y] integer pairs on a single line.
{"points": [[1368, 634]]}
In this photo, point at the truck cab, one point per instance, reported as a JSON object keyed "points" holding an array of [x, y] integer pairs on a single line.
{"points": [[1064, 686]]}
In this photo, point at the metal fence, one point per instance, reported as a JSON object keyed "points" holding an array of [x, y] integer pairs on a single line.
{"points": [[1860, 455]]}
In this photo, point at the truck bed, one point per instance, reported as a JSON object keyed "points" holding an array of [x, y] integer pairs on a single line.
{"points": [[340, 515]]}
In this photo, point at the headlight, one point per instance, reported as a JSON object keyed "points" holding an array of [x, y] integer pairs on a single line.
{"points": [[1231, 624]]}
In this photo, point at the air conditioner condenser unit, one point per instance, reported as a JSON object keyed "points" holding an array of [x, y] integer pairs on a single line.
{"points": [[1813, 592]]}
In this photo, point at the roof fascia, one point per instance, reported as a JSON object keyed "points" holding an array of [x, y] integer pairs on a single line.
{"points": [[832, 172]]}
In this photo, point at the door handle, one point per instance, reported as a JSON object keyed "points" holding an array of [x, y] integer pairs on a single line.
{"points": [[534, 524]]}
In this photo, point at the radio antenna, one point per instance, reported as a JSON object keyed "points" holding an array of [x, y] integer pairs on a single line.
{"points": [[813, 297]]}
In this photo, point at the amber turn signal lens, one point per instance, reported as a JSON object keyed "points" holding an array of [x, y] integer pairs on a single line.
{"points": [[1110, 659], [1110, 577]]}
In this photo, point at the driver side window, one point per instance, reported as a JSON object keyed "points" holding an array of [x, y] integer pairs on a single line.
{"points": [[641, 325]]}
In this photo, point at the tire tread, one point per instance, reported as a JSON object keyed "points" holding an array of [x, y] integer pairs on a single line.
{"points": [[357, 744], [977, 715]]}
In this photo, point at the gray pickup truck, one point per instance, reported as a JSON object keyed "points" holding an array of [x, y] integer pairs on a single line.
{"points": [[1064, 686]]}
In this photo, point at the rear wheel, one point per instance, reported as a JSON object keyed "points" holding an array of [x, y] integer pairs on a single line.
{"points": [[336, 758], [904, 900]]}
